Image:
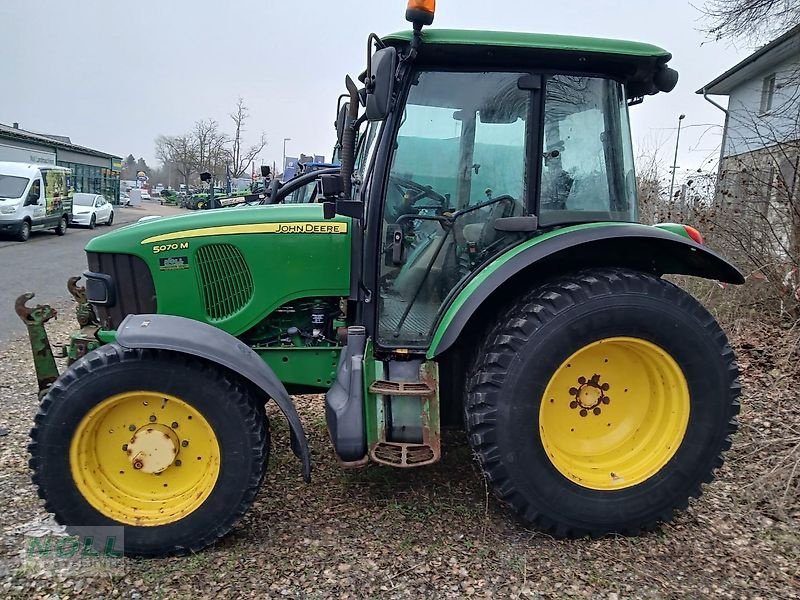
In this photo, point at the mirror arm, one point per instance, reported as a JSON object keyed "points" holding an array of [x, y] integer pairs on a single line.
{"points": [[379, 45]]}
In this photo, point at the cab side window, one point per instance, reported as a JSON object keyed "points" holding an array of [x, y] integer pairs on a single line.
{"points": [[35, 194], [306, 194]]}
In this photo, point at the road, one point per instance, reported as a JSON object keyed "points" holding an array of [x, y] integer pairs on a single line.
{"points": [[43, 264]]}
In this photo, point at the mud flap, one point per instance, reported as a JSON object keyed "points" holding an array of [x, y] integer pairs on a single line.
{"points": [[178, 334]]}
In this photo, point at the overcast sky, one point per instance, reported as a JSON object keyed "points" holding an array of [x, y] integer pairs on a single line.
{"points": [[113, 75]]}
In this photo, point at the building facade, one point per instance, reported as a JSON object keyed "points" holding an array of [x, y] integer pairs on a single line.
{"points": [[93, 171], [759, 171]]}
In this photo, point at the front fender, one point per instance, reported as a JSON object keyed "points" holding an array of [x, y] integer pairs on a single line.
{"points": [[628, 245], [178, 334]]}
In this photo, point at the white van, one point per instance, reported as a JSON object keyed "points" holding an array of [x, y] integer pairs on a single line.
{"points": [[34, 197]]}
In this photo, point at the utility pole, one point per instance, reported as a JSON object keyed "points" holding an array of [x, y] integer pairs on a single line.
{"points": [[675, 160], [283, 165]]}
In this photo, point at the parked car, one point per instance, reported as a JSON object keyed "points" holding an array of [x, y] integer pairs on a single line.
{"points": [[145, 195], [124, 200], [90, 210]]}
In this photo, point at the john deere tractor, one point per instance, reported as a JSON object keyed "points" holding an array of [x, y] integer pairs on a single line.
{"points": [[475, 262]]}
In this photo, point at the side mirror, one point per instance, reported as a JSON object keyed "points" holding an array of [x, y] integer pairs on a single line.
{"points": [[33, 198], [265, 171], [380, 83], [272, 191]]}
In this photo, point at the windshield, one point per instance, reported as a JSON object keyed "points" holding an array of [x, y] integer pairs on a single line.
{"points": [[12, 187], [83, 200]]}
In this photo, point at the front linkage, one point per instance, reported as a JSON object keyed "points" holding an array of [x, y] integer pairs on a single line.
{"points": [[81, 342]]}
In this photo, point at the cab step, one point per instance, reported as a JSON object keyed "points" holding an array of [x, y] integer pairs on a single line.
{"points": [[402, 388], [403, 408]]}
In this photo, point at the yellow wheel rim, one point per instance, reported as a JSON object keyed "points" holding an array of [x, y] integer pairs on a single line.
{"points": [[142, 458], [614, 413]]}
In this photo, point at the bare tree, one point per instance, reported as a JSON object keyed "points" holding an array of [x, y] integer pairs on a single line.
{"points": [[181, 152], [754, 20], [210, 143], [241, 158]]}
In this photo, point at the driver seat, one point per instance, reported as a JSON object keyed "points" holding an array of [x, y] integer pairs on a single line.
{"points": [[484, 234]]}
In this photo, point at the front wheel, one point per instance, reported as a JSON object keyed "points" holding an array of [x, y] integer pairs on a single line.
{"points": [[601, 402], [24, 233], [93, 222], [171, 448]]}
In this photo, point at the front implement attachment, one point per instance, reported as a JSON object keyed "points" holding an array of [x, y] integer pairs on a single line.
{"points": [[81, 342], [34, 318]]}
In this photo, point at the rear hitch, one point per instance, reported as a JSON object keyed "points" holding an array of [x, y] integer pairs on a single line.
{"points": [[43, 360]]}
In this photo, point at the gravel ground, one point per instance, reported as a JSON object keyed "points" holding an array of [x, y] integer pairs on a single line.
{"points": [[436, 532]]}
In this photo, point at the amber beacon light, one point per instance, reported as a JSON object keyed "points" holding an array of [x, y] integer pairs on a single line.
{"points": [[420, 12]]}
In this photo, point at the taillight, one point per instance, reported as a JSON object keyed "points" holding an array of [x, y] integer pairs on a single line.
{"points": [[694, 234]]}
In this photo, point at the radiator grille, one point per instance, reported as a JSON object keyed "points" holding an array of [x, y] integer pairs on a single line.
{"points": [[225, 281], [135, 292]]}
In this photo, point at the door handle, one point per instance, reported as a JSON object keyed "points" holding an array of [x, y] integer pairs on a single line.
{"points": [[395, 245]]}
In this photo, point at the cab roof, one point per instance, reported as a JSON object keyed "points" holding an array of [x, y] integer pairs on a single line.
{"points": [[536, 41], [635, 64]]}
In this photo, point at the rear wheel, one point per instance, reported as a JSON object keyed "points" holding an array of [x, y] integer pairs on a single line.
{"points": [[62, 226], [169, 447], [601, 402], [24, 233], [110, 219]]}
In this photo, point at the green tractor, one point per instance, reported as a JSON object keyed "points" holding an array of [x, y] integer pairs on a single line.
{"points": [[477, 263]]}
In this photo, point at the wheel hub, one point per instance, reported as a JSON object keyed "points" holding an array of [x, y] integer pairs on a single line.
{"points": [[124, 458], [621, 443], [153, 448], [589, 395]]}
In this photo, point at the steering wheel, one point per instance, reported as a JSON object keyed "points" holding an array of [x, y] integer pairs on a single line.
{"points": [[420, 191]]}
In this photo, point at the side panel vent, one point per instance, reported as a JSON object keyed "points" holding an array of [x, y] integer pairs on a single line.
{"points": [[225, 281]]}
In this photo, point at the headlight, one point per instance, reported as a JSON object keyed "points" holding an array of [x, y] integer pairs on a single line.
{"points": [[8, 210], [99, 288]]}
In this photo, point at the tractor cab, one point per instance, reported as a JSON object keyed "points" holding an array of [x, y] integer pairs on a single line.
{"points": [[472, 142]]}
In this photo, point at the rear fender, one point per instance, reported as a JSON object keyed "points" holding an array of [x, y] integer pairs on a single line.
{"points": [[626, 245], [178, 334]]}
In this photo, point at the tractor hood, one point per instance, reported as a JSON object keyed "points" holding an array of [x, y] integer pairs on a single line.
{"points": [[139, 237], [227, 268]]}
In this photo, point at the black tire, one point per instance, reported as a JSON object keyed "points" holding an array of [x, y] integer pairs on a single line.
{"points": [[93, 222], [237, 417], [62, 226], [110, 219], [534, 338], [24, 233]]}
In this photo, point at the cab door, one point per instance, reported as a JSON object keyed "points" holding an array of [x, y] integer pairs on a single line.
{"points": [[102, 209], [458, 165], [35, 205]]}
